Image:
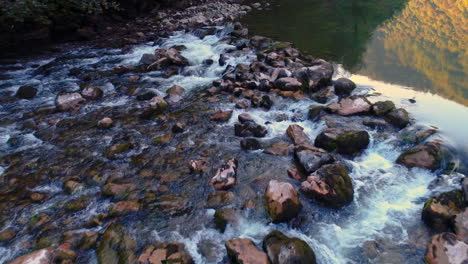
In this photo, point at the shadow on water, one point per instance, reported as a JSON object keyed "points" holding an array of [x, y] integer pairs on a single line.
{"points": [[336, 30]]}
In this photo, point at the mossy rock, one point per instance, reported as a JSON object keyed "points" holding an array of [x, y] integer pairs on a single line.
{"points": [[439, 212], [114, 151], [315, 111], [284, 250], [116, 246], [382, 108]]}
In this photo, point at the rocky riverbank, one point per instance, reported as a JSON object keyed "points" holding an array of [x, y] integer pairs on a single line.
{"points": [[130, 155]]}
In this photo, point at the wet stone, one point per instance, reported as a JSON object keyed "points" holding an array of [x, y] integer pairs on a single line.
{"points": [[250, 144], [282, 201], [278, 149], [244, 251], [226, 175], [220, 198], [284, 250]]}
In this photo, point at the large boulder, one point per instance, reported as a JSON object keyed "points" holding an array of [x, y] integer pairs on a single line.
{"points": [[297, 135], [439, 212], [316, 76], [398, 117], [288, 84], [42, 256], [331, 185], [354, 105], [446, 248], [169, 252], [26, 92], [344, 141], [312, 158], [282, 200], [427, 156], [285, 250], [225, 176], [116, 246], [344, 86], [244, 251], [68, 101]]}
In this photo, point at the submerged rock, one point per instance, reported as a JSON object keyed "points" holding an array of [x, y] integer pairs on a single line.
{"points": [[344, 86], [223, 116], [278, 149], [446, 248], [225, 176], [439, 212], [250, 144], [427, 156], [7, 235], [124, 207], [42, 256], [26, 92], [70, 101], [354, 105], [92, 93], [220, 198], [285, 250], [331, 185], [461, 225], [169, 252], [244, 251], [282, 200], [116, 246], [225, 216], [344, 141]]}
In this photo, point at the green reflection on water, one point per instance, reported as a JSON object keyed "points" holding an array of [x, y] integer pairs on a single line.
{"points": [[417, 43]]}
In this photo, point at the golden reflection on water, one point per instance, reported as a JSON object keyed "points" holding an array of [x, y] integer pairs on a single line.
{"points": [[424, 46]]}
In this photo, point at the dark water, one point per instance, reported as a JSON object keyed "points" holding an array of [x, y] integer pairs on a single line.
{"points": [[416, 43]]}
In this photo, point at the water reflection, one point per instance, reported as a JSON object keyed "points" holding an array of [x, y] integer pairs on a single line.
{"points": [[417, 43]]}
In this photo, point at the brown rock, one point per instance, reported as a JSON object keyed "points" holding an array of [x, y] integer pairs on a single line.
{"points": [[92, 93], [42, 256], [278, 149], [225, 176], [428, 156], [223, 116], [353, 105], [445, 248], [297, 135], [461, 225], [220, 198], [169, 252], [244, 251], [105, 123], [124, 207], [282, 201], [7, 235], [69, 101]]}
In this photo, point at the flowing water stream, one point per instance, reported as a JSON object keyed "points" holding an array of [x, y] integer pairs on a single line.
{"points": [[388, 197]]}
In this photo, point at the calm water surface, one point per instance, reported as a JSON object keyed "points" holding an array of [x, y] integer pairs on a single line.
{"points": [[401, 48]]}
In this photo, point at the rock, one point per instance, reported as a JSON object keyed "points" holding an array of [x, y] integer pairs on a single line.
{"points": [[88, 240], [465, 189], [249, 129], [282, 201], [172, 204], [244, 251], [416, 134], [42, 256], [245, 118], [124, 207], [118, 191], [198, 166], [427, 156], [116, 246], [344, 141], [72, 186], [445, 248], [156, 106], [220, 198], [288, 84], [331, 185], [64, 253], [225, 176], [312, 158], [69, 101], [278, 149], [382, 108], [105, 123], [323, 95], [169, 252], [148, 59], [37, 197], [225, 216], [116, 151], [7, 235], [314, 112], [176, 90], [460, 225], [145, 95], [222, 116], [178, 128], [398, 117], [26, 92], [439, 212], [318, 75], [344, 86], [250, 144], [242, 104], [354, 105], [284, 250], [92, 93], [297, 135]]}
